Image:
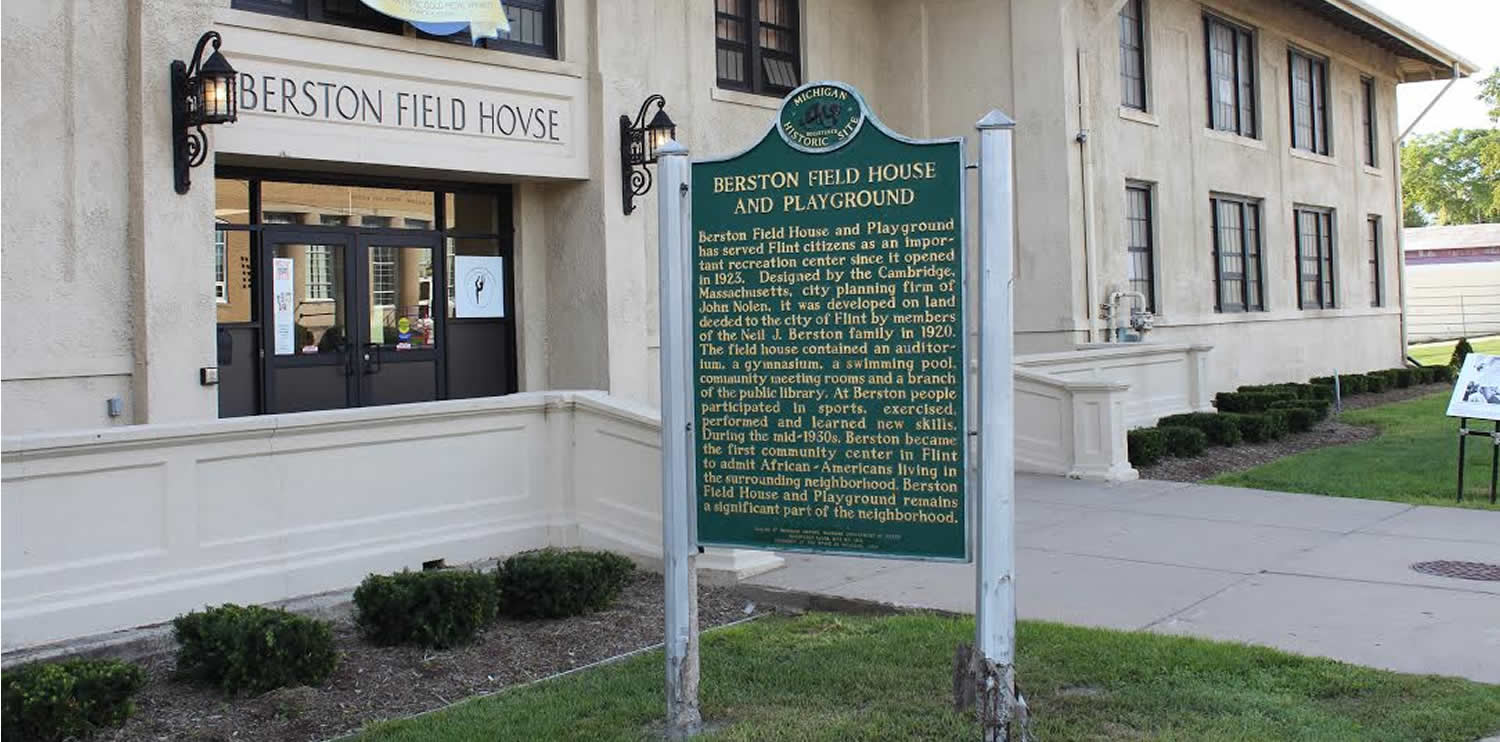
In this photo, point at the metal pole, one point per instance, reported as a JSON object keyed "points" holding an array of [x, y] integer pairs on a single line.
{"points": [[1463, 437], [1494, 461], [678, 554], [1002, 711]]}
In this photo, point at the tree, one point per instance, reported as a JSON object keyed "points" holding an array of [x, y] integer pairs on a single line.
{"points": [[1489, 92], [1454, 175]]}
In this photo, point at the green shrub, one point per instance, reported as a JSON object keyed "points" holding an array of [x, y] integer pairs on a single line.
{"points": [[1301, 419], [1221, 431], [1257, 427], [1404, 377], [553, 583], [1250, 401], [1279, 423], [252, 648], [1318, 407], [1321, 392], [1444, 374], [1297, 390], [1376, 382], [439, 608], [72, 699], [1145, 446], [1460, 352], [1183, 441], [1353, 384]]}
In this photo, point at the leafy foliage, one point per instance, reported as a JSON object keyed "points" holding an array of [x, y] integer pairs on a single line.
{"points": [[1454, 175], [1145, 446], [253, 648], [554, 583], [1183, 441], [438, 608], [1460, 352], [1220, 430], [48, 701]]}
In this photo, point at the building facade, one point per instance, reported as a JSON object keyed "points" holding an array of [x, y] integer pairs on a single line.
{"points": [[1453, 278], [1228, 164]]}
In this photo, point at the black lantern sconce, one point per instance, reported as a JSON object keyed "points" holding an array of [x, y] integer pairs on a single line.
{"points": [[202, 93], [639, 142]]}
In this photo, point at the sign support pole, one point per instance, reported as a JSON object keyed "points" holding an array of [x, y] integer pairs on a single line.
{"points": [[1002, 710], [674, 231]]}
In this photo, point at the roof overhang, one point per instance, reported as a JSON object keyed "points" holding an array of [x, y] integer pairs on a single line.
{"points": [[1418, 57]]}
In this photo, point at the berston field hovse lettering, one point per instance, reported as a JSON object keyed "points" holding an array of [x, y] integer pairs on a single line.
{"points": [[828, 325]]}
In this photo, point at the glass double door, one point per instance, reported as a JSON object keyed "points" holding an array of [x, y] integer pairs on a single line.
{"points": [[354, 317]]}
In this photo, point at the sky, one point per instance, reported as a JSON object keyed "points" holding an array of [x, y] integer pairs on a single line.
{"points": [[1471, 28]]}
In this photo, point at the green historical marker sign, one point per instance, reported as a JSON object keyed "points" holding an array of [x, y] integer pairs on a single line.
{"points": [[828, 326]]}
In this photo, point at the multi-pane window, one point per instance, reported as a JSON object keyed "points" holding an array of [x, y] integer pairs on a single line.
{"points": [[1309, 90], [533, 23], [1133, 54], [319, 272], [1231, 77], [1367, 108], [1377, 288], [757, 45], [383, 276], [1315, 287], [1237, 270], [1139, 243], [221, 271]]}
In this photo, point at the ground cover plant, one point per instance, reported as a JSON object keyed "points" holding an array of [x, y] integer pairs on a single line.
{"points": [[826, 677], [1413, 459]]}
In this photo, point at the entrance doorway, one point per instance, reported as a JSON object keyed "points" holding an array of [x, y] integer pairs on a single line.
{"points": [[347, 300]]}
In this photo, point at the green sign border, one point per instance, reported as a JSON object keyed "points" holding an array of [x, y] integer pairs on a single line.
{"points": [[969, 386]]}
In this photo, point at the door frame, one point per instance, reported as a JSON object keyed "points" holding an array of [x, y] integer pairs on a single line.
{"points": [[272, 235], [365, 241]]}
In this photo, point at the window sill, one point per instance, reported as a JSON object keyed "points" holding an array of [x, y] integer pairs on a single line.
{"points": [[411, 45], [1375, 171], [745, 99], [1312, 157], [1243, 141], [1138, 116]]}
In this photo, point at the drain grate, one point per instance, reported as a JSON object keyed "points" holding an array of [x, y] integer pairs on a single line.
{"points": [[1460, 570]]}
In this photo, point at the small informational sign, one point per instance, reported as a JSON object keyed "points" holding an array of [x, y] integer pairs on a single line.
{"points": [[828, 327], [478, 288], [285, 306], [1477, 393]]}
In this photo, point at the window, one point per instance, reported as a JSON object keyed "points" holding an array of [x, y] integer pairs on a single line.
{"points": [[1314, 258], [533, 23], [1139, 243], [1377, 294], [319, 273], [758, 47], [1237, 269], [1231, 77], [383, 276], [1133, 54], [221, 272], [1309, 86], [1367, 90]]}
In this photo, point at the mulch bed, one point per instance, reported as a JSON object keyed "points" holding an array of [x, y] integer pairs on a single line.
{"points": [[1221, 460], [374, 683]]}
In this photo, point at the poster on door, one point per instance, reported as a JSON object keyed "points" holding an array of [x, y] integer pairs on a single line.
{"points": [[285, 321], [478, 290]]}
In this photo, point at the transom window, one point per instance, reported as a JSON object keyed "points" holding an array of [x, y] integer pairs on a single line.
{"points": [[1309, 90], [1133, 54], [1315, 286], [1231, 77], [758, 47], [1237, 269], [1139, 243], [533, 23]]}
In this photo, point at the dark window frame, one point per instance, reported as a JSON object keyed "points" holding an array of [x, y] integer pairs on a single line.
{"points": [[367, 19], [1377, 285], [1371, 124], [1316, 107], [1321, 253], [1246, 103], [1134, 90], [1145, 284], [753, 53], [1252, 293]]}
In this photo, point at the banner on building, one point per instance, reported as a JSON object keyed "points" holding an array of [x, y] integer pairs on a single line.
{"points": [[485, 18], [478, 287], [284, 299]]}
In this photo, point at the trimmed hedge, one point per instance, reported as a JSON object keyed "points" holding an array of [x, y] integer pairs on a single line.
{"points": [[1376, 382], [49, 701], [1320, 408], [1250, 401], [1260, 427], [1221, 431], [439, 608], [1182, 441], [553, 583], [1405, 377], [253, 648], [1444, 374], [1301, 419], [1145, 446]]}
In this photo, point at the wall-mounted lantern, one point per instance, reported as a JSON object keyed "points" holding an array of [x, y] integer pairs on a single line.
{"points": [[202, 93], [639, 141]]}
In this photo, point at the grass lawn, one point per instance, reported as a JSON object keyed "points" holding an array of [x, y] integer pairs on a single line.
{"points": [[824, 677], [1434, 354], [1415, 459]]}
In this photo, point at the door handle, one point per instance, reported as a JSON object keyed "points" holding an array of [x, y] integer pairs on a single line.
{"points": [[373, 362]]}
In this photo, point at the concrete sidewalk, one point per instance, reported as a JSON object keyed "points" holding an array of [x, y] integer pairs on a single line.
{"points": [[1315, 575]]}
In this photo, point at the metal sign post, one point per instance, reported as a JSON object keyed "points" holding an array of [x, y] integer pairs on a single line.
{"points": [[1002, 710], [678, 551]]}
